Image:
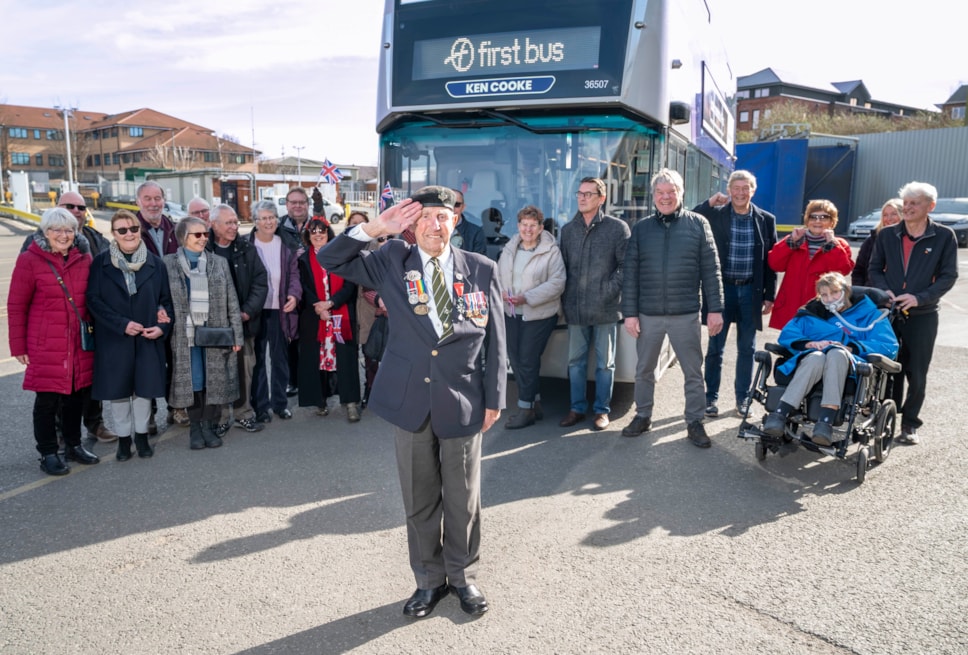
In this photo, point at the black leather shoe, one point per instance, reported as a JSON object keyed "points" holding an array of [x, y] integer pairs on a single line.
{"points": [[472, 601], [285, 414], [423, 601], [54, 465], [264, 417], [142, 446], [82, 455], [124, 449]]}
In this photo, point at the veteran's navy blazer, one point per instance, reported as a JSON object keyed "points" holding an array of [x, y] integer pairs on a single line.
{"points": [[420, 376]]}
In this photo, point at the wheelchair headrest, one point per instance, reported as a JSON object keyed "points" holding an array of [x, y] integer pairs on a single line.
{"points": [[878, 296]]}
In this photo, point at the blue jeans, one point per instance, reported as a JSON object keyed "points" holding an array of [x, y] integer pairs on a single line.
{"points": [[602, 338], [526, 342], [273, 382], [738, 309]]}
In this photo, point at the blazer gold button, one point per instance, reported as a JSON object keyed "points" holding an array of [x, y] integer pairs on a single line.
{"points": [[427, 380], [433, 353]]}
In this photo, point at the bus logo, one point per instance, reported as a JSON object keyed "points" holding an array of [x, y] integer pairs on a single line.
{"points": [[504, 86], [461, 55]]}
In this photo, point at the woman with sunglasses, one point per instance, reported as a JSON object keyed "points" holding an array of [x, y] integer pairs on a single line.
{"points": [[328, 349], [203, 294], [129, 297], [803, 256], [45, 306]]}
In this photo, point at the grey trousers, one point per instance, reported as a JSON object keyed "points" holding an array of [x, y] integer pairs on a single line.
{"points": [[441, 484], [831, 366], [685, 335], [243, 409]]}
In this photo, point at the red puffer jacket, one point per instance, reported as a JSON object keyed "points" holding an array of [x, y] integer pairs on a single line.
{"points": [[43, 325]]}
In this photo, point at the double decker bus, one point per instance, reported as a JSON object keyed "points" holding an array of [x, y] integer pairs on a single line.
{"points": [[513, 102]]}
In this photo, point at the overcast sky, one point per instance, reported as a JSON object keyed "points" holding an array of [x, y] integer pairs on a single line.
{"points": [[303, 72]]}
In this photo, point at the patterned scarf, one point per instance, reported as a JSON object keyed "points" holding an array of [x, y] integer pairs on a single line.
{"points": [[128, 269], [197, 281]]}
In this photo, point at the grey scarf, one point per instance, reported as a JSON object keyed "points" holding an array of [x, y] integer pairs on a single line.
{"points": [[197, 280], [128, 269]]}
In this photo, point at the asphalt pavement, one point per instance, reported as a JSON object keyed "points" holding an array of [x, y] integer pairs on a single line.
{"points": [[292, 540]]}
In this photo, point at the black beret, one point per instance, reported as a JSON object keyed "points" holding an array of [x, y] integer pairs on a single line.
{"points": [[435, 196]]}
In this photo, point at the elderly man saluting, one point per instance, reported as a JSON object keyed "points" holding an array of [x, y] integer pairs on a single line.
{"points": [[442, 302], [670, 256]]}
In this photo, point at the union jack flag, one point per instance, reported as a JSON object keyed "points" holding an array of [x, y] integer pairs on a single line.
{"points": [[386, 198], [330, 173]]}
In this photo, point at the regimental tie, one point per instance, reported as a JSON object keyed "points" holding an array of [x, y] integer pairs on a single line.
{"points": [[441, 299]]}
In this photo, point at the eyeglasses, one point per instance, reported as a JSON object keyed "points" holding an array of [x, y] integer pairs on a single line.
{"points": [[198, 235], [819, 217], [70, 205], [60, 230], [267, 219], [587, 194], [318, 230], [297, 202], [134, 229], [201, 212]]}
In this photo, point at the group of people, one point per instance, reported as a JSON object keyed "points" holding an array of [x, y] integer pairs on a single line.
{"points": [[292, 301], [111, 326]]}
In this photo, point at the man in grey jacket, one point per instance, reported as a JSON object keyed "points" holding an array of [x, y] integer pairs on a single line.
{"points": [[593, 247], [671, 257]]}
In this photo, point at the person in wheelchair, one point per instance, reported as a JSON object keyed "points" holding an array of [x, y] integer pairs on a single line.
{"points": [[827, 336]]}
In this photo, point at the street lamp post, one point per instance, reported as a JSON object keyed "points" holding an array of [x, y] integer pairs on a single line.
{"points": [[68, 112], [299, 150]]}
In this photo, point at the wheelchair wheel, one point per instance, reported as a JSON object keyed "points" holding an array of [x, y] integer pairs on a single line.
{"points": [[884, 426], [862, 458], [760, 450]]}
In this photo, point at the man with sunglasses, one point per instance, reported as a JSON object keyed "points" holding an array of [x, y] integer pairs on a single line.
{"points": [[467, 236], [76, 205]]}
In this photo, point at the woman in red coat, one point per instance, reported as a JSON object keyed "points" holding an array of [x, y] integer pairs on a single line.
{"points": [[803, 256], [45, 334]]}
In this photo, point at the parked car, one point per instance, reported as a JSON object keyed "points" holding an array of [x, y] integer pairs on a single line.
{"points": [[863, 226], [953, 212], [174, 211]]}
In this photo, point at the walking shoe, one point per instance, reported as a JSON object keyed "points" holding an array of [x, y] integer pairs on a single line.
{"points": [[711, 410], [285, 414], [222, 428], [638, 425], [522, 419], [249, 425], [322, 411], [822, 433], [179, 416], [572, 418], [775, 424], [292, 391], [600, 422], [263, 417], [538, 412], [697, 435], [909, 436], [53, 465], [352, 412], [743, 407], [103, 435]]}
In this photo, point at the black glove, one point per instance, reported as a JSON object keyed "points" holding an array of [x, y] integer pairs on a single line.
{"points": [[317, 202]]}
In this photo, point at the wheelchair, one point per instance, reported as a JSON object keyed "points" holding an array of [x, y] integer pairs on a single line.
{"points": [[866, 416]]}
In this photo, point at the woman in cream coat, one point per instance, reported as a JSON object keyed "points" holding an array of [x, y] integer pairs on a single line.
{"points": [[532, 275]]}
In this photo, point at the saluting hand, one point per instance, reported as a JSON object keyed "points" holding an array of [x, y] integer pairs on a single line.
{"points": [[393, 220]]}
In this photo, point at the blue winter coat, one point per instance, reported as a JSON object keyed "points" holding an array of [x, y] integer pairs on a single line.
{"points": [[126, 365], [814, 323]]}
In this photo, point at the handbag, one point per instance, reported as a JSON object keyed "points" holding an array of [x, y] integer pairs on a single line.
{"points": [[87, 328], [376, 342], [214, 337]]}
